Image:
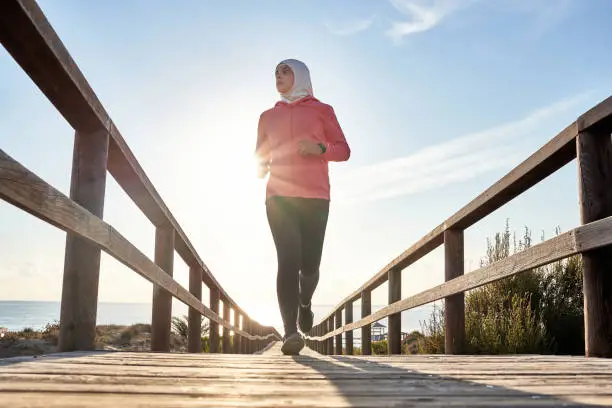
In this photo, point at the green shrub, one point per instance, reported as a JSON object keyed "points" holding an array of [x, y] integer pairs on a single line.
{"points": [[379, 347], [538, 311]]}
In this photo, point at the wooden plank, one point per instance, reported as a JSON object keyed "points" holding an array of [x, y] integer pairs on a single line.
{"points": [[549, 158], [555, 154], [394, 345], [194, 335], [454, 306], [30, 39], [82, 259], [161, 318], [601, 114], [584, 238], [28, 192], [273, 380], [348, 318], [595, 191], [28, 36]]}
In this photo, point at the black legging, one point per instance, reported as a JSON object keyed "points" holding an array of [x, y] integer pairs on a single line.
{"points": [[298, 229]]}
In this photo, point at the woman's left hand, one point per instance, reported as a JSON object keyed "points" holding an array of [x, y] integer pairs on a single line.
{"points": [[307, 147]]}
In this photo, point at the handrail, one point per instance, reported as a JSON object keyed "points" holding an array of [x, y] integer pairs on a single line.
{"points": [[24, 189], [555, 154], [29, 37], [588, 237]]}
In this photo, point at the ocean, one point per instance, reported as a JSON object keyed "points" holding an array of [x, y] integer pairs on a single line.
{"points": [[17, 315]]}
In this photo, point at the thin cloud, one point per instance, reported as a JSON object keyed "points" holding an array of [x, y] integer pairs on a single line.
{"points": [[350, 27], [457, 160], [423, 15]]}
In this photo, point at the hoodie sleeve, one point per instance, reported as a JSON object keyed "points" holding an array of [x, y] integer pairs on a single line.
{"points": [[337, 149], [262, 146]]}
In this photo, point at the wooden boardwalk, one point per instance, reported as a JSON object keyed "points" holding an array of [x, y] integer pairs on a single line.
{"points": [[268, 379]]}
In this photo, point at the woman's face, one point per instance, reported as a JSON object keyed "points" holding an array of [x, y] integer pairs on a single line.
{"points": [[284, 78]]}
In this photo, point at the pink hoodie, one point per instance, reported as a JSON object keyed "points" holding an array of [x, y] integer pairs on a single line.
{"points": [[280, 130]]}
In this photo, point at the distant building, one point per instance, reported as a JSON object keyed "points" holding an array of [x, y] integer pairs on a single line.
{"points": [[3, 331], [379, 332]]}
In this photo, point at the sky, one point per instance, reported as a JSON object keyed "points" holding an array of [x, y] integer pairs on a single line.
{"points": [[438, 100]]}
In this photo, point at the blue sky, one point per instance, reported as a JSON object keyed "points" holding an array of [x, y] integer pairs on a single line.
{"points": [[438, 100]]}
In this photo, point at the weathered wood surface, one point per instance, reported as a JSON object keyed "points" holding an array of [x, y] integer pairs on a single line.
{"points": [[271, 380], [395, 319], [27, 191], [194, 327], [595, 192], [594, 235], [454, 306], [161, 317], [81, 276]]}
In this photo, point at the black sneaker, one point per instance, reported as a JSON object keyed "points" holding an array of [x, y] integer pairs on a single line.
{"points": [[305, 318], [292, 344]]}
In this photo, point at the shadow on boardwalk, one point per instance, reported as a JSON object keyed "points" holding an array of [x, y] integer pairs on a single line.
{"points": [[397, 381]]}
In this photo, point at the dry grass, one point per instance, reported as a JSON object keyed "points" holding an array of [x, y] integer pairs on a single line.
{"points": [[137, 337]]}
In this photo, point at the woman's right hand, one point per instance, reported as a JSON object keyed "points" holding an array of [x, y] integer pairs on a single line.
{"points": [[262, 170]]}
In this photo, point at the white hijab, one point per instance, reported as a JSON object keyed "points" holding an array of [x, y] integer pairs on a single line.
{"points": [[301, 84]]}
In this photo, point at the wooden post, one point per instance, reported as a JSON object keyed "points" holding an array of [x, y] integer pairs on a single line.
{"points": [[245, 341], [454, 306], [226, 332], [194, 336], [594, 150], [348, 318], [322, 343], [236, 345], [213, 338], [366, 331], [82, 259], [395, 320], [162, 299], [338, 319], [330, 341], [258, 333]]}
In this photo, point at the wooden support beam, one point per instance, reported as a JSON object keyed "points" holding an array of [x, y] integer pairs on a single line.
{"points": [[330, 341], [338, 320], [237, 339], [194, 335], [249, 343], [395, 320], [366, 331], [226, 332], [348, 318], [82, 258], [454, 306], [162, 299], [214, 326], [594, 149]]}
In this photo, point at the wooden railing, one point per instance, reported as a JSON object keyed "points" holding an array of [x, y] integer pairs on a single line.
{"points": [[99, 147], [589, 140]]}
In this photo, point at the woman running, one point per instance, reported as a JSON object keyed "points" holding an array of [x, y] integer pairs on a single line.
{"points": [[295, 141]]}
